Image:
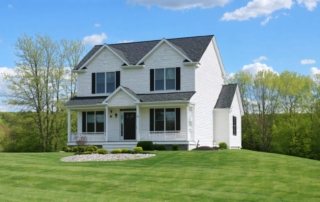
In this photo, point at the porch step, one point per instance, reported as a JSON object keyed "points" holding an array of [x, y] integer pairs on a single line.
{"points": [[119, 145]]}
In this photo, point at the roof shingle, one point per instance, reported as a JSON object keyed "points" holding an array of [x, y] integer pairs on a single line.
{"points": [[226, 96]]}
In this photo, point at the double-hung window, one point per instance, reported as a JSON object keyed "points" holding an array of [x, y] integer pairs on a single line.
{"points": [[165, 119], [93, 121], [234, 125], [105, 82], [165, 79]]}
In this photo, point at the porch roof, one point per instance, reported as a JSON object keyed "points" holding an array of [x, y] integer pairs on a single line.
{"points": [[152, 97]]}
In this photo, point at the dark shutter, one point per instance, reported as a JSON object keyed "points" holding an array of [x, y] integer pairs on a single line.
{"points": [[117, 79], [84, 122], [178, 119], [93, 82], [178, 78], [151, 79], [151, 119]]}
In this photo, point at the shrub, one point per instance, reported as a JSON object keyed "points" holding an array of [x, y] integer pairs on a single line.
{"points": [[116, 151], [82, 149], [75, 149], [66, 149], [92, 148], [82, 141], [175, 147], [126, 151], [137, 149], [102, 151], [87, 152], [146, 145], [161, 147], [223, 145]]}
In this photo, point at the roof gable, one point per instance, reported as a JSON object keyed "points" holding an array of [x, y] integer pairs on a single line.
{"points": [[98, 49], [131, 53], [227, 95]]}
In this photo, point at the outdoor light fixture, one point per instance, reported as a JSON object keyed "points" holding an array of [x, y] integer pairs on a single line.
{"points": [[110, 116], [116, 115]]}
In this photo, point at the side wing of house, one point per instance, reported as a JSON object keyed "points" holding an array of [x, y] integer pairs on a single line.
{"points": [[227, 117]]}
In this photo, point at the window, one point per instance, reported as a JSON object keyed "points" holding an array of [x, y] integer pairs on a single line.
{"points": [[101, 83], [165, 119], [234, 125], [105, 82], [93, 121], [165, 79], [159, 79], [111, 82]]}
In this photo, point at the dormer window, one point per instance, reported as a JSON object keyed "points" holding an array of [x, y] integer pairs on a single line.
{"points": [[165, 79]]}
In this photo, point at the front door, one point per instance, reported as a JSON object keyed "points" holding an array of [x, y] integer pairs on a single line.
{"points": [[129, 125]]}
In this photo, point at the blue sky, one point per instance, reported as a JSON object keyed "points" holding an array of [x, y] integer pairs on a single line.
{"points": [[251, 34]]}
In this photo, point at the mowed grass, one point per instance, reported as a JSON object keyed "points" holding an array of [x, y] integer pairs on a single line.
{"points": [[229, 175]]}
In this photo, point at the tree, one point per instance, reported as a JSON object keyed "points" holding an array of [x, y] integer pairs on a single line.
{"points": [[39, 85]]}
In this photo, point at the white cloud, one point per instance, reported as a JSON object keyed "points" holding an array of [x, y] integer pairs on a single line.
{"points": [[10, 6], [266, 20], [94, 39], [256, 67], [97, 25], [256, 8], [309, 4], [313, 72], [180, 4], [307, 62], [261, 58], [125, 41]]}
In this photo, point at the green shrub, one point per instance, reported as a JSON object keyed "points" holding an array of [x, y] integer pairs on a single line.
{"points": [[223, 145], [102, 151], [126, 151], [96, 148], [90, 148], [87, 152], [66, 149], [137, 149], [81, 149], [116, 151], [175, 147], [146, 145], [161, 147], [75, 149]]}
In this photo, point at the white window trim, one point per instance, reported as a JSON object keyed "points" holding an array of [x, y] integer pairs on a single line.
{"points": [[164, 125], [164, 79]]}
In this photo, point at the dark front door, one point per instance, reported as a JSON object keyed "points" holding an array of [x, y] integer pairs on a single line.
{"points": [[129, 125]]}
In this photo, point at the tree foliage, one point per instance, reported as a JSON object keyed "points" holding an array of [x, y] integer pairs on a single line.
{"points": [[40, 86], [282, 112]]}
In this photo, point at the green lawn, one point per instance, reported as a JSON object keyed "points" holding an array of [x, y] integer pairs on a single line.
{"points": [[229, 175]]}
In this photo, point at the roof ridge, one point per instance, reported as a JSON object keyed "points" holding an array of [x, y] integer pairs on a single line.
{"points": [[161, 39]]}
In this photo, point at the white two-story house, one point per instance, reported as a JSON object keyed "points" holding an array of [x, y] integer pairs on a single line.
{"points": [[169, 91]]}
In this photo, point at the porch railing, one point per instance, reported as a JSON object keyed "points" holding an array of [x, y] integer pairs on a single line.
{"points": [[163, 136], [91, 137]]}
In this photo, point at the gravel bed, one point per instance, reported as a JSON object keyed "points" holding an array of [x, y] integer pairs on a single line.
{"points": [[105, 157]]}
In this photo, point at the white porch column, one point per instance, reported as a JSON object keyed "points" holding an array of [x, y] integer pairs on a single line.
{"points": [[69, 125], [137, 122], [187, 124], [106, 123], [79, 122]]}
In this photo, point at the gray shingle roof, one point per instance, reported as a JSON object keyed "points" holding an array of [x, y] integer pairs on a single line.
{"points": [[158, 97], [226, 96], [193, 47], [155, 97], [85, 101]]}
